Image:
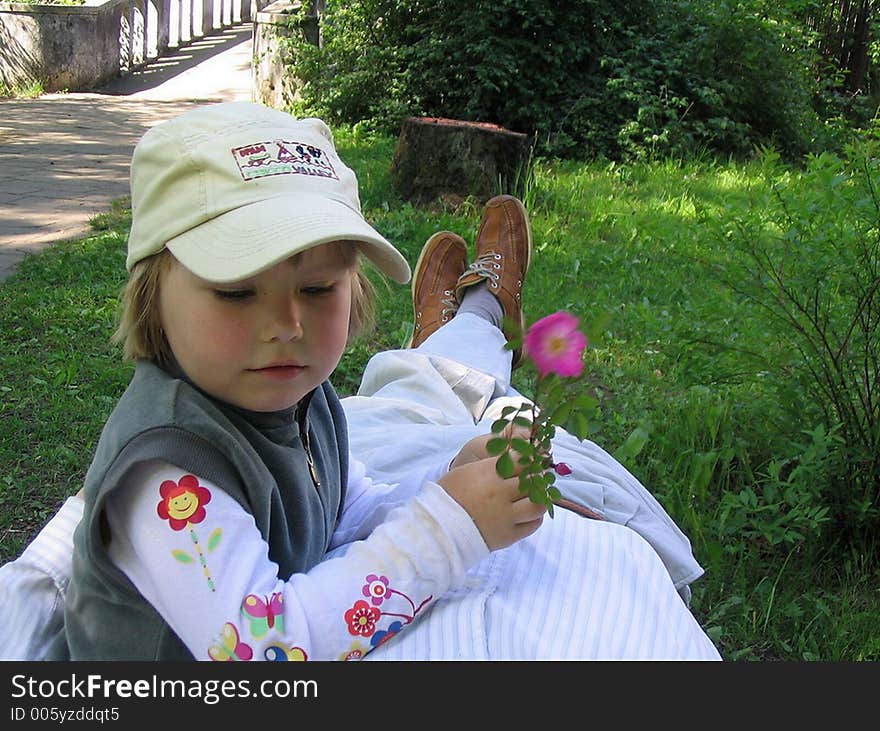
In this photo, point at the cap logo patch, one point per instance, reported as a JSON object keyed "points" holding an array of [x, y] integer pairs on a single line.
{"points": [[280, 157]]}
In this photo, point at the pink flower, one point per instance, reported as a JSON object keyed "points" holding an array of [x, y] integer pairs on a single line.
{"points": [[376, 589], [555, 345]]}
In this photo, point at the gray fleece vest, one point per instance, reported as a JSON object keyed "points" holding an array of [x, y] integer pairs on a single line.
{"points": [[261, 460]]}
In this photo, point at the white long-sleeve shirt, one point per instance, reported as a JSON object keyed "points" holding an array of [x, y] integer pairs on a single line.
{"points": [[575, 589], [212, 581]]}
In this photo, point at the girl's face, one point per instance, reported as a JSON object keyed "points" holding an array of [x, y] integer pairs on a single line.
{"points": [[264, 342]]}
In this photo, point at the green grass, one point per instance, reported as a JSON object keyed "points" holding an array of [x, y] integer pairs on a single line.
{"points": [[30, 90], [684, 369]]}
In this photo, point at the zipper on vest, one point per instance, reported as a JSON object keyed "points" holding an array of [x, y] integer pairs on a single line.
{"points": [[312, 471]]}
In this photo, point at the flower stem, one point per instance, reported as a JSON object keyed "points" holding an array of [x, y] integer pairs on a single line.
{"points": [[578, 508]]}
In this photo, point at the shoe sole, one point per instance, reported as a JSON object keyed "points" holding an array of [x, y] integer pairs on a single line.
{"points": [[525, 214], [522, 316]]}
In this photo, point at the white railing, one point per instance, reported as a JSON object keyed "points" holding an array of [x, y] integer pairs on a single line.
{"points": [[153, 27], [80, 47]]}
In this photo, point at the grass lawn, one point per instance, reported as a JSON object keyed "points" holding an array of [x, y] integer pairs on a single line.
{"points": [[702, 399]]}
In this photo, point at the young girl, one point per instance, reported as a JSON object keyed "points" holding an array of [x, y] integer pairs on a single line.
{"points": [[576, 589], [222, 477]]}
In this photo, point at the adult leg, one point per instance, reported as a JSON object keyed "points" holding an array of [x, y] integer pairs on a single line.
{"points": [[459, 312], [429, 400]]}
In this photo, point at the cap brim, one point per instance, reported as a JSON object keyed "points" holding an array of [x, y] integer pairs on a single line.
{"points": [[248, 240]]}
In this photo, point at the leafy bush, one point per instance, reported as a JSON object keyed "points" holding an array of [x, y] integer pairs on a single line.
{"points": [[505, 62], [586, 78], [809, 263], [713, 75], [787, 506]]}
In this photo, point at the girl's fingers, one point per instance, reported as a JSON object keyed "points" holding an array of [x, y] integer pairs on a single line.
{"points": [[525, 511], [524, 530]]}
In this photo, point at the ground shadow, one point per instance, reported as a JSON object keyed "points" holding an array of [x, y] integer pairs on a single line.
{"points": [[175, 61], [18, 65]]}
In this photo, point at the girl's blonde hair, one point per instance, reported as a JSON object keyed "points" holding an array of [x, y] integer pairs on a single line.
{"points": [[140, 326]]}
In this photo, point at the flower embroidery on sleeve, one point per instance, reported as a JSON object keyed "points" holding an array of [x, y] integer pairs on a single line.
{"points": [[376, 589], [355, 652], [183, 502], [183, 505], [362, 619]]}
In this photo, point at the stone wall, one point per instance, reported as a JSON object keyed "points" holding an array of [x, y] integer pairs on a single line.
{"points": [[81, 47], [64, 47], [274, 86]]}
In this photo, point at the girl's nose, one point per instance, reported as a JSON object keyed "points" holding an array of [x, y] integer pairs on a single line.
{"points": [[285, 323]]}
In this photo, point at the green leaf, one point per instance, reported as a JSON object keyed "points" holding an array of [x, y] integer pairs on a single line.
{"points": [[541, 440], [587, 403], [582, 426], [634, 444], [561, 413], [556, 391], [504, 466], [537, 465], [496, 446], [214, 538], [596, 327], [523, 422], [523, 446], [512, 328], [499, 425], [182, 556], [537, 494], [508, 410]]}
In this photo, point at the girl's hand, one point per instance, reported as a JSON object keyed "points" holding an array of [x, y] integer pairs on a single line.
{"points": [[475, 449], [500, 511], [472, 451]]}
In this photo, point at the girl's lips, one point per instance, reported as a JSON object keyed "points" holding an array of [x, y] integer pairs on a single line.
{"points": [[280, 373]]}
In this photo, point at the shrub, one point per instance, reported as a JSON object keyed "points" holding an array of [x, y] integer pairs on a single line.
{"points": [[713, 75], [586, 78], [809, 262]]}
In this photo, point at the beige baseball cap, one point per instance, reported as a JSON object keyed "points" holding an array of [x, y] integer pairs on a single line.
{"points": [[233, 188]]}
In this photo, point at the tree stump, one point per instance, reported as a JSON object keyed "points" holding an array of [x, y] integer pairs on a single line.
{"points": [[438, 157]]}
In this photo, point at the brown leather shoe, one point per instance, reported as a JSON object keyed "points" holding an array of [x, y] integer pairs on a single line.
{"points": [[504, 249], [442, 261]]}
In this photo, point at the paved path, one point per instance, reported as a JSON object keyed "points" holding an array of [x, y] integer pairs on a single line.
{"points": [[65, 157]]}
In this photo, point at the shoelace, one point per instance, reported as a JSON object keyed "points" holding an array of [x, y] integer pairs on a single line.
{"points": [[450, 305], [485, 266]]}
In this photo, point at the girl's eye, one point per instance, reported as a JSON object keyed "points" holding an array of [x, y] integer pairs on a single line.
{"points": [[233, 294], [319, 290]]}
